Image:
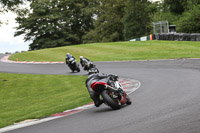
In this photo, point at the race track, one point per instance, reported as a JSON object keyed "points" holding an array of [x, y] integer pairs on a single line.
{"points": [[168, 100]]}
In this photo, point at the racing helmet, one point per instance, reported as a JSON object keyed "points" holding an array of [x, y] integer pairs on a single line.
{"points": [[81, 57], [68, 54]]}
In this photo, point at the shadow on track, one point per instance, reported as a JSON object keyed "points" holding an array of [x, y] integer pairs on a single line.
{"points": [[106, 108]]}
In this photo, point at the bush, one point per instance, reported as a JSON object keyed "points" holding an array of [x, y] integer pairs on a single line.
{"points": [[189, 21]]}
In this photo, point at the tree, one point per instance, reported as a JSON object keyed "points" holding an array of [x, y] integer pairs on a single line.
{"points": [[52, 23], [192, 3], [175, 6], [137, 18], [189, 21], [9, 5], [161, 15], [108, 24], [184, 14]]}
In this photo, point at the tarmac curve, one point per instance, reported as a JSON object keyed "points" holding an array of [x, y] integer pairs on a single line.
{"points": [[168, 100]]}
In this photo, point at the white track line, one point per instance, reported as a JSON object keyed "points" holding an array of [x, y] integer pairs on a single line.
{"points": [[5, 59]]}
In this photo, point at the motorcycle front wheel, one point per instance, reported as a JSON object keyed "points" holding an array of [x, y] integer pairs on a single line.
{"points": [[110, 101], [78, 69]]}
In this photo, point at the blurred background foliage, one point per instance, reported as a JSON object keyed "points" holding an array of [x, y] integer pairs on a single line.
{"points": [[53, 23]]}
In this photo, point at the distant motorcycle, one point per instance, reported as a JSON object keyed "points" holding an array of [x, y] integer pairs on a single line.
{"points": [[91, 70], [89, 65], [73, 65], [112, 93]]}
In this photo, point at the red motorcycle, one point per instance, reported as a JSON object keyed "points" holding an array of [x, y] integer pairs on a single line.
{"points": [[112, 93]]}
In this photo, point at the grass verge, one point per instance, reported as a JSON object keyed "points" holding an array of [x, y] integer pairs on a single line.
{"points": [[139, 50], [26, 96]]}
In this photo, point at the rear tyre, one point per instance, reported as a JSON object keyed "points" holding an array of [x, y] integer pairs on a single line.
{"points": [[111, 102]]}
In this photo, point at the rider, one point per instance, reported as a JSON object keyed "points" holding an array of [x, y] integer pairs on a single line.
{"points": [[68, 56], [94, 77], [84, 62]]}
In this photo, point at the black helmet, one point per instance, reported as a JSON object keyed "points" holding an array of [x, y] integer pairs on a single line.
{"points": [[93, 71]]}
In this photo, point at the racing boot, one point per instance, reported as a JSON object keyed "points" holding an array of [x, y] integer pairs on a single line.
{"points": [[96, 99], [98, 103]]}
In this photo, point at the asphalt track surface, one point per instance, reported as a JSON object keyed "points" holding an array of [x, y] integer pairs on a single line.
{"points": [[168, 100]]}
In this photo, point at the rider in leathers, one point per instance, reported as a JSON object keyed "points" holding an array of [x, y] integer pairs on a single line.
{"points": [[84, 62], [68, 56], [99, 77]]}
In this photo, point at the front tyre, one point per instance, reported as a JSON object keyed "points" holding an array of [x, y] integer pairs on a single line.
{"points": [[78, 69], [110, 101], [71, 69], [128, 102]]}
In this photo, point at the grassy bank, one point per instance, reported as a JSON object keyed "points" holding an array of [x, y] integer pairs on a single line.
{"points": [[139, 50], [25, 96]]}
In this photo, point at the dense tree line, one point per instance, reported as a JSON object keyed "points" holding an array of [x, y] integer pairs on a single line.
{"points": [[54, 23]]}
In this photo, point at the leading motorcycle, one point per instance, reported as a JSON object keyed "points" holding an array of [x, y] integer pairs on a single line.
{"points": [[73, 65]]}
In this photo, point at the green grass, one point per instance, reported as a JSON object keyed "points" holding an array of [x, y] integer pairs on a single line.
{"points": [[139, 50], [26, 96]]}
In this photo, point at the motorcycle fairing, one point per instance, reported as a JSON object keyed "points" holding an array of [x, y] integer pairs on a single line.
{"points": [[96, 84]]}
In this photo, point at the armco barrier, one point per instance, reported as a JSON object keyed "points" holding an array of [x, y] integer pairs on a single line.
{"points": [[177, 36]]}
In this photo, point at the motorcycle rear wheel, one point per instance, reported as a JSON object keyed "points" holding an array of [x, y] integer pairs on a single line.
{"points": [[110, 101]]}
